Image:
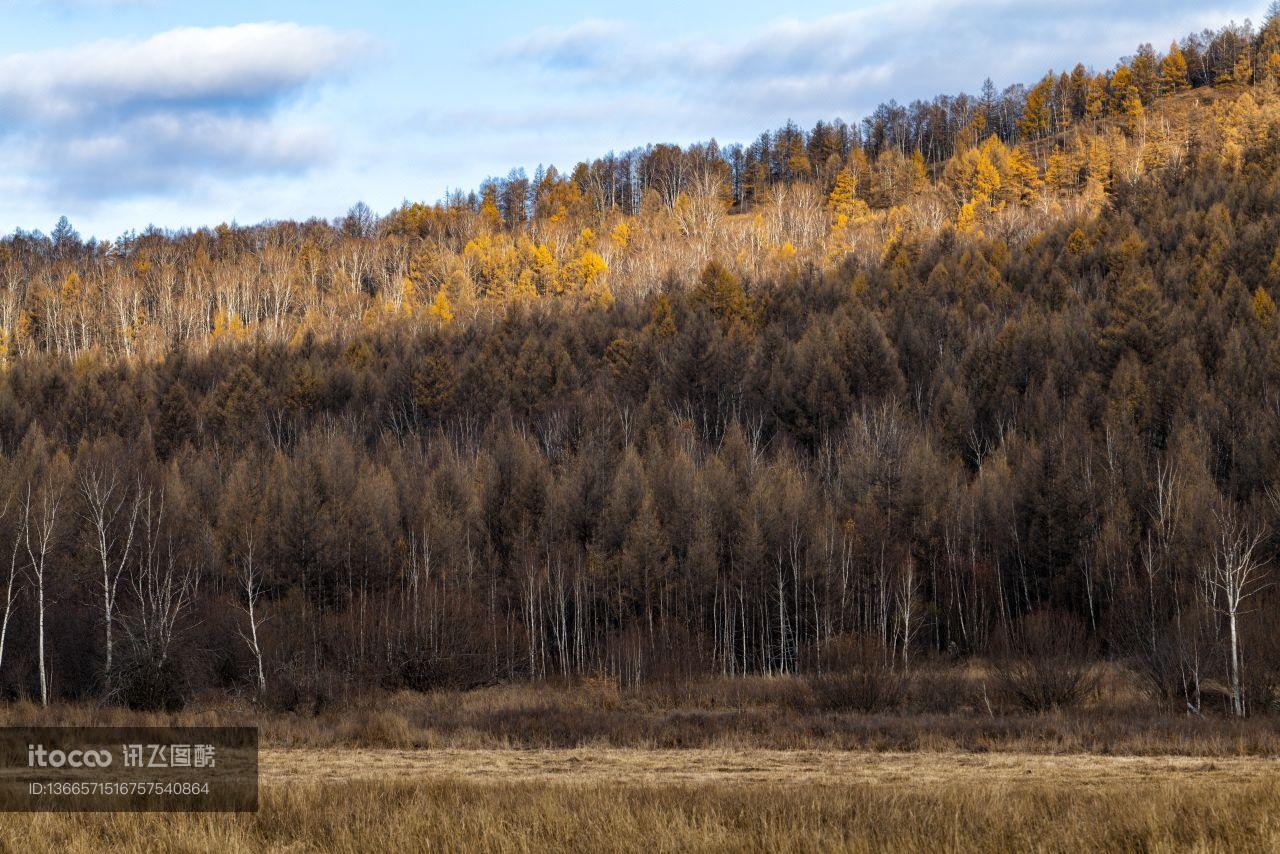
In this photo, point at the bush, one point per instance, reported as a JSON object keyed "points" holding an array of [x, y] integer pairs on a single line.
{"points": [[856, 677], [145, 685], [1047, 662]]}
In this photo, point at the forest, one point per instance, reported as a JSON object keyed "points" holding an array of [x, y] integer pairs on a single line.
{"points": [[985, 377]]}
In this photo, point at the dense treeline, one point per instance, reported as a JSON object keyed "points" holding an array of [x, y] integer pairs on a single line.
{"points": [[1007, 164], [1054, 406], [922, 450]]}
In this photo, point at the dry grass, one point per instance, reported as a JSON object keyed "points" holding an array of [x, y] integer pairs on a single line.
{"points": [[750, 767], [996, 804], [950, 709]]}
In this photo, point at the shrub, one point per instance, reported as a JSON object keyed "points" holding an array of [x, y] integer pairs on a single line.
{"points": [[856, 676], [1047, 662], [146, 685]]}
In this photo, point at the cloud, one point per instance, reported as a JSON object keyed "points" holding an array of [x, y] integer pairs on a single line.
{"points": [[582, 46], [118, 118], [848, 62]]}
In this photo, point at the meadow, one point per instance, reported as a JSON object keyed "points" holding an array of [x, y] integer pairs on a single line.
{"points": [[690, 801], [747, 764]]}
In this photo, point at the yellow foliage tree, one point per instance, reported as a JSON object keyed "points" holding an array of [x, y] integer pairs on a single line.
{"points": [[1024, 177], [489, 213], [1271, 68], [986, 179], [227, 325], [844, 196], [408, 297], [1173, 71], [1095, 102], [545, 269], [1057, 173], [919, 174], [1036, 115], [441, 308], [71, 288], [1264, 309]]}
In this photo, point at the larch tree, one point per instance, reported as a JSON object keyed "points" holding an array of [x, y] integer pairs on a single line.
{"points": [[1036, 114], [1173, 71]]}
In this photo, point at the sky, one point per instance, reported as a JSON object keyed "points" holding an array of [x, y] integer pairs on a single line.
{"points": [[122, 114]]}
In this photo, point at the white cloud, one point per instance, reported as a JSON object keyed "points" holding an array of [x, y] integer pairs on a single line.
{"points": [[847, 63], [118, 118], [242, 67], [581, 46]]}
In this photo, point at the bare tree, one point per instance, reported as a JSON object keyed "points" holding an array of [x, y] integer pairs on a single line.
{"points": [[1236, 573], [163, 590], [907, 596], [105, 505], [252, 586], [42, 526], [11, 590]]}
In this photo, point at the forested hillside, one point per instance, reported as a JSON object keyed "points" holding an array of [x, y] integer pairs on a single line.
{"points": [[961, 378]]}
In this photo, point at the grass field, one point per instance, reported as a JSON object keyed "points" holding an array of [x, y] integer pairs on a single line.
{"points": [[692, 800], [716, 766]]}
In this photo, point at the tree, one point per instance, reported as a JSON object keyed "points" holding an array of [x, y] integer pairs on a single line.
{"points": [[105, 504], [1036, 114], [1173, 71], [1096, 99], [1024, 177], [440, 307], [1236, 573], [39, 520], [164, 588], [722, 293], [251, 584], [1146, 73], [843, 201], [66, 239], [11, 589], [1264, 309]]}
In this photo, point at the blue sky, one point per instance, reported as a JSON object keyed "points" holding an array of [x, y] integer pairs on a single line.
{"points": [[126, 113]]}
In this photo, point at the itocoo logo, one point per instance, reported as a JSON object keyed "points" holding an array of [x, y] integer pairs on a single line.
{"points": [[38, 757]]}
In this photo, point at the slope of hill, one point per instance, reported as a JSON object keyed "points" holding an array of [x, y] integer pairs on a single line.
{"points": [[990, 376]]}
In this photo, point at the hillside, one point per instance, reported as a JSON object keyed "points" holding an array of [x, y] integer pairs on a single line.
{"points": [[986, 377]]}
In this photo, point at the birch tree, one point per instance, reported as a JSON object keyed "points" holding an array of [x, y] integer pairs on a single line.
{"points": [[1235, 573], [11, 589], [164, 587], [251, 583], [39, 519], [105, 504]]}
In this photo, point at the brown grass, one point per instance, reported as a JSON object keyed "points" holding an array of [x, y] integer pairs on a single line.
{"points": [[955, 709], [1149, 807], [749, 767]]}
